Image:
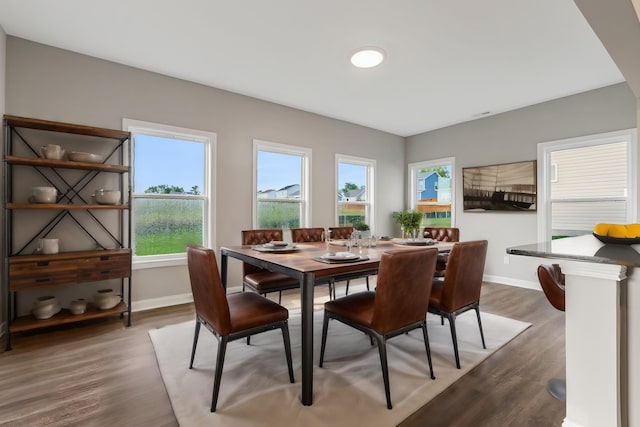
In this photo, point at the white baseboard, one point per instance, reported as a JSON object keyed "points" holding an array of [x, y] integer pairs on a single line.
{"points": [[512, 282], [151, 303]]}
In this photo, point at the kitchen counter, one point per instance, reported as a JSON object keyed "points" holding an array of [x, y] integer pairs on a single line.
{"points": [[602, 327]]}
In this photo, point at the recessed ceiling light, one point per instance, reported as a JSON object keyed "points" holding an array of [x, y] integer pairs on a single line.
{"points": [[367, 57]]}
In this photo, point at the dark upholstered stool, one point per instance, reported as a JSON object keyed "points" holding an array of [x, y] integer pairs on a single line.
{"points": [[552, 283]]}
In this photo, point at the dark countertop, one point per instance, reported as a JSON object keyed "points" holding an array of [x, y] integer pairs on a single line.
{"points": [[582, 248]]}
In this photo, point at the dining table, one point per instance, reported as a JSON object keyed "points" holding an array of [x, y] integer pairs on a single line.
{"points": [[316, 262]]}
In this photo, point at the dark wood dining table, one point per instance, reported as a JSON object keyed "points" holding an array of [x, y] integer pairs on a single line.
{"points": [[302, 264]]}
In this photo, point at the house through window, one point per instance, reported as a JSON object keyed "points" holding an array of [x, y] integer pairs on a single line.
{"points": [[281, 185], [355, 178], [586, 181], [431, 185]]}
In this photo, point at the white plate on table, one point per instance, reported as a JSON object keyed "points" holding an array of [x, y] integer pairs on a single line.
{"points": [[340, 256], [416, 242], [276, 244]]}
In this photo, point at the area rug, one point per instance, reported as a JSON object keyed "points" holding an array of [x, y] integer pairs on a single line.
{"points": [[347, 391]]}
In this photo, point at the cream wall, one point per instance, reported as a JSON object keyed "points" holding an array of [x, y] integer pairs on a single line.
{"points": [[511, 137], [55, 84]]}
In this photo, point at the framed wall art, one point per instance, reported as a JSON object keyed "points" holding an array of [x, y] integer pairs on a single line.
{"points": [[504, 187]]}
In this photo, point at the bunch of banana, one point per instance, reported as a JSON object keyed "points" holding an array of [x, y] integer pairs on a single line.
{"points": [[617, 230]]}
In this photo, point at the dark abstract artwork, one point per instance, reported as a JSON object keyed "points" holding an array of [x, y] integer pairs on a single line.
{"points": [[505, 187]]}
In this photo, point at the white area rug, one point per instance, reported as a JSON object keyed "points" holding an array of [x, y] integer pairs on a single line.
{"points": [[255, 388]]}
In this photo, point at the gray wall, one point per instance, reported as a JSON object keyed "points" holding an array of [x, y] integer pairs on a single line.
{"points": [[510, 137], [3, 61], [55, 84]]}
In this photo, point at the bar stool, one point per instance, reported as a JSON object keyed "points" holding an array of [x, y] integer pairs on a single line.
{"points": [[552, 282]]}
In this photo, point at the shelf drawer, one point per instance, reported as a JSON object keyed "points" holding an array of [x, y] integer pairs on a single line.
{"points": [[36, 274], [104, 267], [32, 274]]}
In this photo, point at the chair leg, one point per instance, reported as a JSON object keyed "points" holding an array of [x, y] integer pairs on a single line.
{"points": [[367, 280], [382, 349], [325, 326], [287, 349], [428, 348], [195, 343], [280, 297], [477, 307], [222, 348], [452, 324], [346, 291]]}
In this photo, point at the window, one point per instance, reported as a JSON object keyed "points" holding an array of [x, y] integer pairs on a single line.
{"points": [[355, 178], [585, 181], [281, 185], [431, 188], [172, 202]]}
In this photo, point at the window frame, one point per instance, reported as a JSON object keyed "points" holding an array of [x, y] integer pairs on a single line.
{"points": [[207, 194], [545, 173], [412, 187], [370, 186], [305, 178]]}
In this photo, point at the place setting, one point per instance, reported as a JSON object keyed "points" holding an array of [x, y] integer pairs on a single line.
{"points": [[340, 257], [276, 246]]}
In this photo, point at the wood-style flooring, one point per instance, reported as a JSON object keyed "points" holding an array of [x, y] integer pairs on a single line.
{"points": [[102, 373]]}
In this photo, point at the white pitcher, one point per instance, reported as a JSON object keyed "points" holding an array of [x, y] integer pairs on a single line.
{"points": [[52, 152]]}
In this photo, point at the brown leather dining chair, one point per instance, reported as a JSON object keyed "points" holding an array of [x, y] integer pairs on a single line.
{"points": [[258, 279], [460, 289], [229, 317], [442, 234], [302, 235], [398, 305], [552, 283], [343, 233]]}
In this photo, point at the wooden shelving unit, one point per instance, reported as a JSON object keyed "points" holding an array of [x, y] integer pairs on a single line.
{"points": [[28, 271]]}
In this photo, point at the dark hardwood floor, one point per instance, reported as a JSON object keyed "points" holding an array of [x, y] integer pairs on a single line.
{"points": [[102, 373]]}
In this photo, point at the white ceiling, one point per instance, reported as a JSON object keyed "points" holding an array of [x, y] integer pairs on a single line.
{"points": [[448, 61]]}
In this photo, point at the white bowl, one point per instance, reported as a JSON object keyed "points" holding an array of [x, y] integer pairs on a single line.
{"points": [[107, 197], [106, 299], [44, 195], [78, 156], [78, 306]]}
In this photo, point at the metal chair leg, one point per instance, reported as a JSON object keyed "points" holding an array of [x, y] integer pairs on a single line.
{"points": [[382, 349], [325, 326], [428, 348], [222, 348], [287, 349], [454, 338], [477, 307], [195, 343]]}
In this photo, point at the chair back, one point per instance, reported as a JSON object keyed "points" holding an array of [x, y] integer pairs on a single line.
{"points": [[209, 296], [463, 276], [552, 283], [300, 235], [442, 234], [258, 237], [403, 288], [341, 233]]}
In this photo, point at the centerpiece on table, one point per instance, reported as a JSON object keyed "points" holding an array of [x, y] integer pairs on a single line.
{"points": [[409, 221]]}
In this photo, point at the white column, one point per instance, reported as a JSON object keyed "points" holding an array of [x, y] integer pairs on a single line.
{"points": [[595, 367]]}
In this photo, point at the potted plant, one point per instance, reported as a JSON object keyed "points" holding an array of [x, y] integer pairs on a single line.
{"points": [[361, 227], [409, 221]]}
